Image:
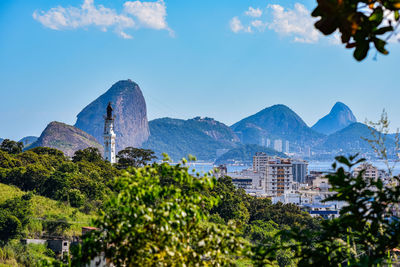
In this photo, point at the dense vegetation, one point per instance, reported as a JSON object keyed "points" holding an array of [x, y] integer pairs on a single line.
{"points": [[64, 192], [159, 214], [82, 182], [162, 215]]}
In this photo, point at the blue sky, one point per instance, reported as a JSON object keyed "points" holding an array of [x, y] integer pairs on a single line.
{"points": [[218, 58]]}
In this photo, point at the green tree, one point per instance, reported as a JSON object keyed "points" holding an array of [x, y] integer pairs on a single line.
{"points": [[56, 225], [10, 226], [90, 154], [14, 216], [361, 23], [11, 146], [261, 231], [48, 151], [134, 157], [7, 161], [149, 223], [233, 204]]}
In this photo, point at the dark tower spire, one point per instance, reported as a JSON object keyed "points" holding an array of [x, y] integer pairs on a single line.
{"points": [[109, 111]]}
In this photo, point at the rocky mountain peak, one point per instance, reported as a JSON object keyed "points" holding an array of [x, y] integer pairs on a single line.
{"points": [[129, 108], [338, 118], [66, 138]]}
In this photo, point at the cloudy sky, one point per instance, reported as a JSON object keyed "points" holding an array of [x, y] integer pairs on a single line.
{"points": [[218, 58]]}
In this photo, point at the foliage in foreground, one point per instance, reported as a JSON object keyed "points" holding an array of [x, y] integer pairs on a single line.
{"points": [[82, 182], [361, 23], [157, 219], [366, 231]]}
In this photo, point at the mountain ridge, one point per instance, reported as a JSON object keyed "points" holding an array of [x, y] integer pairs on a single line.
{"points": [[66, 138], [337, 119], [276, 122], [201, 137], [351, 139]]}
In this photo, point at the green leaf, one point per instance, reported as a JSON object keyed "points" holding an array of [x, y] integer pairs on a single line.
{"points": [[396, 15], [316, 12], [361, 50], [377, 15], [380, 46], [383, 30], [326, 25]]}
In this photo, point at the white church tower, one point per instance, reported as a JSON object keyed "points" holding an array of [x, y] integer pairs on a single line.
{"points": [[109, 136]]}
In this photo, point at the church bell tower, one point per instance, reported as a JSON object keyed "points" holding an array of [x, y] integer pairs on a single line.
{"points": [[109, 135]]}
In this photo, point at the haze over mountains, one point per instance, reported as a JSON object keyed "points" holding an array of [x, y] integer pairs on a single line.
{"points": [[207, 138]]}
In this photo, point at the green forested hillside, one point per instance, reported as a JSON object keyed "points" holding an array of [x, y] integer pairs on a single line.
{"points": [[200, 137], [45, 209], [45, 195]]}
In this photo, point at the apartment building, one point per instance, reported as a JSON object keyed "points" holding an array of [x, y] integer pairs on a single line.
{"points": [[278, 176], [260, 161], [370, 171], [276, 172], [300, 170]]}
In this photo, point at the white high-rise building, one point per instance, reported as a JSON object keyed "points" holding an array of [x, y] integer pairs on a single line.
{"points": [[259, 162], [278, 145], [268, 142], [278, 177], [287, 146], [262, 141], [109, 136], [277, 174], [300, 170]]}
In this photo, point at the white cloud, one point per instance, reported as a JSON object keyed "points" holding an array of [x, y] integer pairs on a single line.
{"points": [[150, 14], [253, 12], [136, 14], [296, 22], [236, 25], [258, 24]]}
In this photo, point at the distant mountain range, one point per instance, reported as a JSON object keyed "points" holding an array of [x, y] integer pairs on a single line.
{"points": [[201, 137], [352, 139], [206, 138], [339, 118], [276, 122]]}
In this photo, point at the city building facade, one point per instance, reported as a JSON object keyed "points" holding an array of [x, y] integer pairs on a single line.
{"points": [[300, 170]]}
